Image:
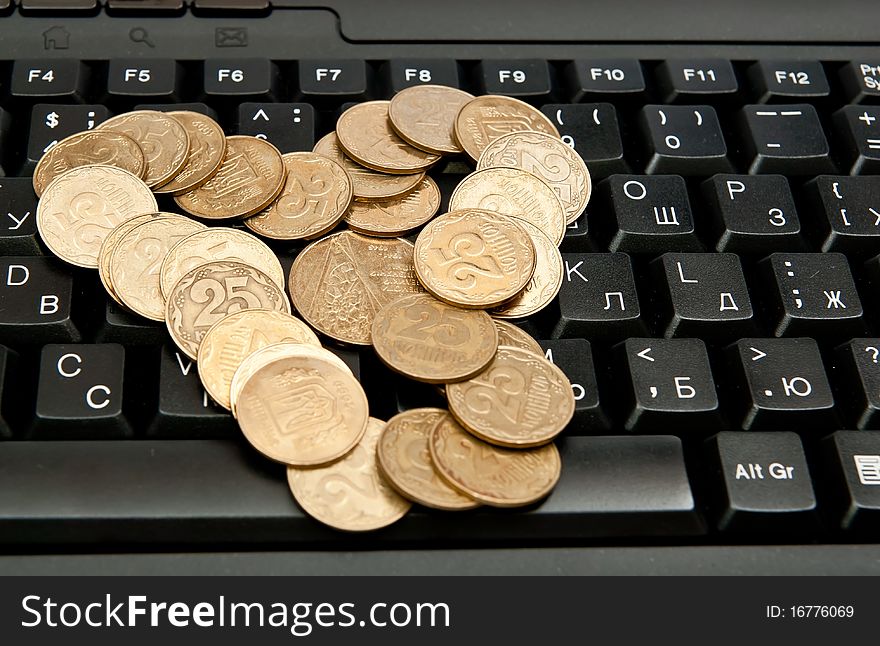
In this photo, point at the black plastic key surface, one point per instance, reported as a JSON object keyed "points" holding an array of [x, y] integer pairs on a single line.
{"points": [[686, 140], [852, 461], [762, 482], [120, 326], [18, 217], [527, 79], [137, 79], [577, 235], [785, 139], [58, 7], [696, 80], [858, 129], [240, 77], [857, 382], [811, 293], [575, 358], [593, 131], [401, 73], [36, 295], [598, 297], [620, 79], [50, 123], [668, 384], [851, 210], [775, 81], [145, 7], [753, 214], [59, 79], [651, 214], [80, 392], [703, 294], [333, 81], [780, 384], [172, 107], [10, 388], [289, 126], [210, 491], [861, 81]]}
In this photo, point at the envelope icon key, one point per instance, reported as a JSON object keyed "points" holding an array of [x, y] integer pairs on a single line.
{"points": [[230, 37]]}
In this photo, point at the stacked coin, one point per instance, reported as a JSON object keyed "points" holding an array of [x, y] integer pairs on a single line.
{"points": [[432, 310]]}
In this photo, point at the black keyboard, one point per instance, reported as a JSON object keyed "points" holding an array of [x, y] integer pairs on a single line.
{"points": [[718, 319]]}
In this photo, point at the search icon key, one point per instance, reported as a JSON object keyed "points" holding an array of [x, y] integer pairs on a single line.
{"points": [[140, 35]]}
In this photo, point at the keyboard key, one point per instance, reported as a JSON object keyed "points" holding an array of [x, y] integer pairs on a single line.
{"points": [[598, 297], [592, 130], [120, 326], [134, 78], [667, 384], [787, 140], [10, 391], [857, 382], [684, 140], [577, 234], [522, 78], [780, 383], [403, 73], [811, 293], [240, 77], [58, 7], [861, 81], [145, 7], [575, 358], [859, 134], [35, 301], [56, 79], [651, 214], [753, 214], [333, 81], [620, 79], [289, 126], [696, 79], [852, 459], [18, 211], [851, 210], [225, 7], [50, 123], [703, 294], [785, 80], [80, 392], [763, 482], [171, 107]]}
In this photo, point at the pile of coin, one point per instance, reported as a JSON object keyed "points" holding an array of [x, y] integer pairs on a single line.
{"points": [[433, 311]]}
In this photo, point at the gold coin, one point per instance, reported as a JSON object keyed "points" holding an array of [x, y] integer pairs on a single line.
{"points": [[162, 139], [427, 340], [405, 461], [350, 494], [509, 334], [236, 337], [338, 283], [218, 243], [397, 215], [302, 409], [137, 258], [545, 283], [316, 194], [364, 133], [474, 259], [491, 474], [513, 192], [79, 208], [264, 356], [546, 157], [367, 184], [207, 148], [520, 400], [89, 148], [213, 291], [424, 116], [483, 120], [109, 244], [250, 178]]}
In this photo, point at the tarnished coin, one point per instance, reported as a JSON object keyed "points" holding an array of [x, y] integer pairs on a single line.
{"points": [[405, 460], [520, 400], [397, 215], [137, 258], [207, 148], [88, 148], [350, 494], [338, 283], [367, 184], [232, 339], [546, 157], [513, 192], [545, 283], [250, 178], [424, 116], [486, 118], [491, 474], [109, 244], [316, 194], [474, 259], [79, 208], [163, 140], [509, 334], [213, 291], [218, 243], [428, 340], [364, 133], [302, 409]]}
